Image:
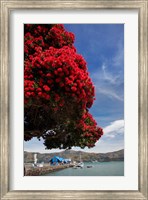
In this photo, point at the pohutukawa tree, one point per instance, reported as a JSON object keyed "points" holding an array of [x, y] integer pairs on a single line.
{"points": [[58, 91]]}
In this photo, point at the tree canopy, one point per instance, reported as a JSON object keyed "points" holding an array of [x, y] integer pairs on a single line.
{"points": [[58, 91]]}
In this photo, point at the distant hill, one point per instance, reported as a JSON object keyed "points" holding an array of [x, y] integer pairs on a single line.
{"points": [[75, 156]]}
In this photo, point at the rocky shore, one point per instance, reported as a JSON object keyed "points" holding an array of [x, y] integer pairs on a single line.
{"points": [[38, 171]]}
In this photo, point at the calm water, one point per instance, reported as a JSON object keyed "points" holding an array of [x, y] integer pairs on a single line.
{"points": [[115, 168]]}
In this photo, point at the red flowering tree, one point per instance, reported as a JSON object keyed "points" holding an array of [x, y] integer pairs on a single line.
{"points": [[58, 91]]}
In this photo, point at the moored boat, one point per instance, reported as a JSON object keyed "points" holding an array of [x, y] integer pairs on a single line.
{"points": [[80, 164], [89, 166]]}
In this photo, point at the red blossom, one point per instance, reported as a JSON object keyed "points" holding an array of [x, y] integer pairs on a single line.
{"points": [[55, 75], [46, 88]]}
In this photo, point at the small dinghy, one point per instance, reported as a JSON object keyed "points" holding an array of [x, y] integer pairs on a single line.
{"points": [[89, 166]]}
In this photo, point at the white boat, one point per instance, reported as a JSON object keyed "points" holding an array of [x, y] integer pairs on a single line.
{"points": [[79, 164], [93, 161]]}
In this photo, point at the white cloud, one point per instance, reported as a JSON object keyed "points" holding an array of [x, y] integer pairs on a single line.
{"points": [[114, 129], [108, 76], [34, 145], [107, 142], [104, 146], [118, 59], [109, 93]]}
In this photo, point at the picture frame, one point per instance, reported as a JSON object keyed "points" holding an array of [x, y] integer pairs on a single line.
{"points": [[142, 7]]}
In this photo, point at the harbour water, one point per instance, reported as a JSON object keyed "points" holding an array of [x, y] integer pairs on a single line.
{"points": [[114, 168]]}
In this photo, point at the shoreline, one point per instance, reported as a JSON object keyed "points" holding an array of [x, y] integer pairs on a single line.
{"points": [[38, 171]]}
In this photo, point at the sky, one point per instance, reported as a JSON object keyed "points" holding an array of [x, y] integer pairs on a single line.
{"points": [[102, 46]]}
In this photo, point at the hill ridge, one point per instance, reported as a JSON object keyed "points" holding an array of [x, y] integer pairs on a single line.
{"points": [[75, 155]]}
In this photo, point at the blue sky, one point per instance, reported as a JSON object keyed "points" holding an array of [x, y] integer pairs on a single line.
{"points": [[102, 46]]}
